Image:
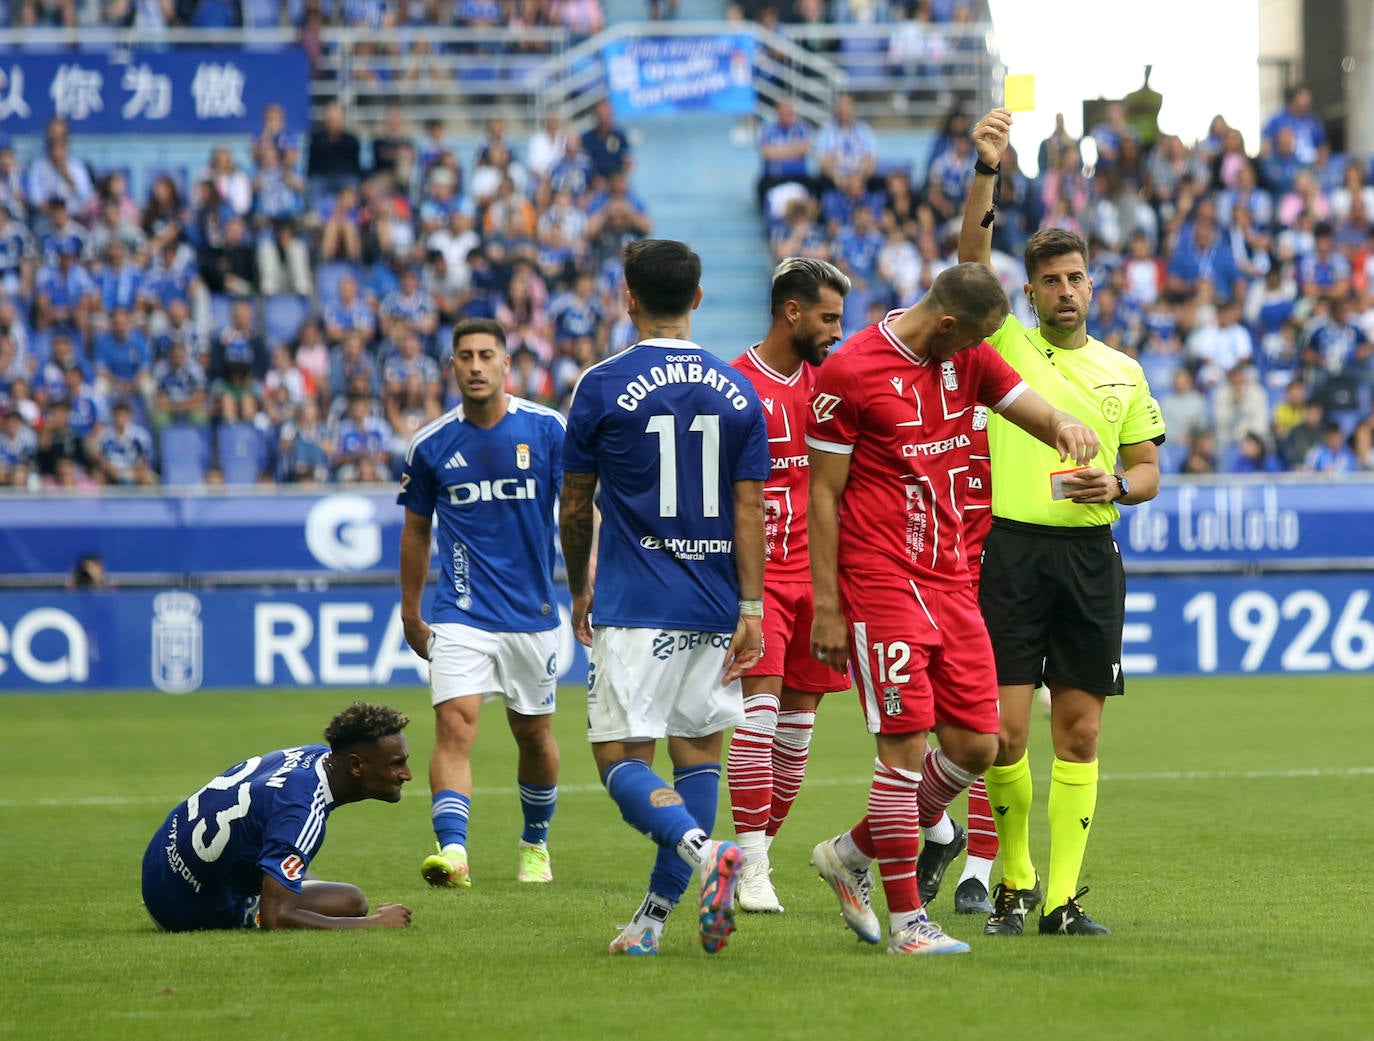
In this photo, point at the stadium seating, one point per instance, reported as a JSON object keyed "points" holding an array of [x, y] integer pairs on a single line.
{"points": [[185, 454], [242, 452], [282, 317]]}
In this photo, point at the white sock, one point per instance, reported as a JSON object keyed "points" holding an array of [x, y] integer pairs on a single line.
{"points": [[692, 847], [941, 832], [755, 846], [850, 855], [652, 914], [768, 842], [899, 920], [977, 867]]}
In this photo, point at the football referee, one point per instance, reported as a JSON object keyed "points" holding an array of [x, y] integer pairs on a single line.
{"points": [[1053, 589]]}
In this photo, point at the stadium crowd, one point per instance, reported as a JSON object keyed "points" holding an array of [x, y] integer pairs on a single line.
{"points": [[1239, 276], [293, 314]]}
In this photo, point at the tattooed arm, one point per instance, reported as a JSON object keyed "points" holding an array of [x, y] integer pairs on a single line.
{"points": [[575, 516]]}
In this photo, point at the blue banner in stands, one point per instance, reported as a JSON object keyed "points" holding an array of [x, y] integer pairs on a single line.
{"points": [[657, 75], [180, 641], [198, 91], [1236, 522]]}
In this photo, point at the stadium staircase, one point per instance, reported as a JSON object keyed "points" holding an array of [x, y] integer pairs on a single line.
{"points": [[696, 173]]}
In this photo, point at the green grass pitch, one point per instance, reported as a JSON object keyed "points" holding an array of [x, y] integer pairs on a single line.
{"points": [[1230, 856]]}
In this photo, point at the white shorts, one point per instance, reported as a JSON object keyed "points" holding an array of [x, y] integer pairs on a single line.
{"points": [[519, 668], [644, 684]]}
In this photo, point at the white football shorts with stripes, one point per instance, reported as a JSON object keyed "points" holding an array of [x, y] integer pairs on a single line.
{"points": [[519, 668], [645, 684]]}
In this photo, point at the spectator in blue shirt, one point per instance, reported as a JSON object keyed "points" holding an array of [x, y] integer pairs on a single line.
{"points": [[120, 280], [784, 145], [64, 293], [124, 450], [90, 408], [123, 358], [1308, 133], [57, 174], [846, 145], [1203, 255], [180, 387], [1325, 271], [606, 145], [1331, 455]]}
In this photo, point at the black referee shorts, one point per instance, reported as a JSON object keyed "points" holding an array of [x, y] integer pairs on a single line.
{"points": [[1054, 600]]}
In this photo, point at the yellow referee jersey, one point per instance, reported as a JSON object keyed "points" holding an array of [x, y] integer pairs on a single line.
{"points": [[1098, 385]]}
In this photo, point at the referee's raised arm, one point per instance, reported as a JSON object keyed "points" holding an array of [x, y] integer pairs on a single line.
{"points": [[990, 138]]}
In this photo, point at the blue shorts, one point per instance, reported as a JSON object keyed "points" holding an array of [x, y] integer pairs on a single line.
{"points": [[178, 902]]}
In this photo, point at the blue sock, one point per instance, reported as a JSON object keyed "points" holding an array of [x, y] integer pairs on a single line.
{"points": [[449, 809], [699, 787], [537, 802], [647, 803]]}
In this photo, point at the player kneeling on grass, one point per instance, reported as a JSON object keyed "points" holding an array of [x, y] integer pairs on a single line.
{"points": [[234, 854]]}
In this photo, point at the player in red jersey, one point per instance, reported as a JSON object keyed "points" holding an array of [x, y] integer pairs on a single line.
{"points": [[767, 757], [889, 442], [941, 838]]}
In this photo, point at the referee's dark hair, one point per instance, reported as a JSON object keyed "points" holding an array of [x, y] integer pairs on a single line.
{"points": [[477, 326], [970, 292], [1048, 243], [663, 275], [801, 279]]}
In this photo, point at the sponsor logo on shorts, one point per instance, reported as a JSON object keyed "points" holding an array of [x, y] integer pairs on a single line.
{"points": [[551, 666], [293, 868], [661, 797], [664, 643], [892, 701], [176, 863]]}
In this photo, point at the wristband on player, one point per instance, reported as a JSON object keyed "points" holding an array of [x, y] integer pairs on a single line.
{"points": [[751, 608], [983, 168]]}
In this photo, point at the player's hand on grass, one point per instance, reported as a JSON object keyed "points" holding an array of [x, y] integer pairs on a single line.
{"points": [[746, 648], [418, 634], [991, 135], [1091, 485], [391, 916], [1076, 441], [582, 618], [830, 637]]}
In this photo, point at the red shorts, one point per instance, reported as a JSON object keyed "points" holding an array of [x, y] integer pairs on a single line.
{"points": [[788, 608], [921, 654]]}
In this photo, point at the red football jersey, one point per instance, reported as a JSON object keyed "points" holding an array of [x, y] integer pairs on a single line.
{"points": [[786, 404], [906, 422], [977, 501]]}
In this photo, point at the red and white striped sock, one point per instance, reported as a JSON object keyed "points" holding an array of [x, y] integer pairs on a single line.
{"points": [[749, 770], [892, 820], [982, 833], [941, 780], [791, 747]]}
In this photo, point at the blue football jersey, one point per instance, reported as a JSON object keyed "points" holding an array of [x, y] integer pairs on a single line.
{"points": [[267, 814], [494, 493], [668, 428]]}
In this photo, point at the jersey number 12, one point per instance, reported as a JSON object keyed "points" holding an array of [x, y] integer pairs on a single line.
{"points": [[666, 429]]}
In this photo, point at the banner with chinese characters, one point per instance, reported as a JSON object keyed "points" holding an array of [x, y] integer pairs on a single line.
{"points": [[199, 91], [665, 74]]}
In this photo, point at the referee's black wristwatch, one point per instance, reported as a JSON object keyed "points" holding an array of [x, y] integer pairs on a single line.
{"points": [[1123, 488]]}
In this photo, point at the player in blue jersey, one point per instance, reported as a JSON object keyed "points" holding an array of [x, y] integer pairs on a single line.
{"points": [[235, 854], [677, 442], [490, 469]]}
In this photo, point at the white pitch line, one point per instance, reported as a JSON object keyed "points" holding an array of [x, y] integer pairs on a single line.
{"points": [[820, 782]]}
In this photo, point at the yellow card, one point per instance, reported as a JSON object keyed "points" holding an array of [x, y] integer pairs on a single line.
{"points": [[1018, 92]]}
